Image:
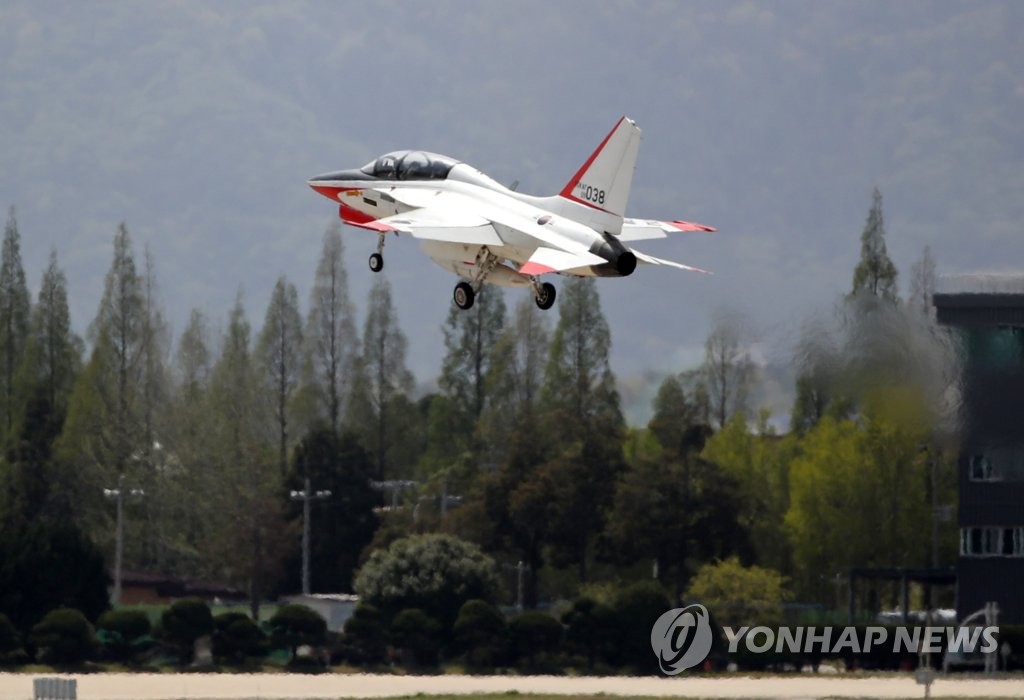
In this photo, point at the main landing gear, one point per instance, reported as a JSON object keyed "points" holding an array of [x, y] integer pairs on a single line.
{"points": [[543, 294], [377, 259], [465, 292]]}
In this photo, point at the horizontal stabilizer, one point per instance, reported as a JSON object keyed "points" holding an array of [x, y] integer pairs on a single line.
{"points": [[651, 260], [648, 229], [546, 260]]}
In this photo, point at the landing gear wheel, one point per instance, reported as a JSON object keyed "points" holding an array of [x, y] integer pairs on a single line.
{"points": [[546, 297], [376, 262], [464, 295]]}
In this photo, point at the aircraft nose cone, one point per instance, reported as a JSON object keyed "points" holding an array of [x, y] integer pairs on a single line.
{"points": [[329, 191]]}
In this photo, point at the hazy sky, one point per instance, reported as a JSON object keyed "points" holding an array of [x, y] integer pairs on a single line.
{"points": [[198, 123]]}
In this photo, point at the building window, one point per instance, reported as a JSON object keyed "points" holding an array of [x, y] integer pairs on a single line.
{"points": [[980, 468], [992, 542]]}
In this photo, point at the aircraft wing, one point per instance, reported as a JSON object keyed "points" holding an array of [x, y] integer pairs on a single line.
{"points": [[651, 260], [432, 225], [646, 229], [546, 260]]}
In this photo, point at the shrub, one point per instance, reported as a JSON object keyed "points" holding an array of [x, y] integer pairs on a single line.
{"points": [[122, 630], [435, 573], [417, 634], [236, 637], [63, 637], [481, 632], [532, 632], [293, 626], [740, 595], [591, 630], [183, 623], [365, 640], [637, 607]]}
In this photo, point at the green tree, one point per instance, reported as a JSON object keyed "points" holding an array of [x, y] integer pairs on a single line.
{"points": [[740, 595], [875, 274], [105, 433], [280, 354], [757, 461], [36, 486], [677, 423], [343, 524], [579, 387], [436, 573], [10, 641], [728, 371], [247, 518], [513, 501], [53, 356], [469, 337], [44, 566], [14, 317], [582, 401], [677, 514], [922, 283], [382, 380], [189, 434], [330, 330], [857, 477]]}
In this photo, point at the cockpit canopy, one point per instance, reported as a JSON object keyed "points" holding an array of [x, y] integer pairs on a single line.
{"points": [[410, 165]]}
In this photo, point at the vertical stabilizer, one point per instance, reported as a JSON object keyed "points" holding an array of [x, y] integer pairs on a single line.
{"points": [[603, 182]]}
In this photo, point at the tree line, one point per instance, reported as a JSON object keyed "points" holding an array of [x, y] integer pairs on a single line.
{"points": [[522, 449]]}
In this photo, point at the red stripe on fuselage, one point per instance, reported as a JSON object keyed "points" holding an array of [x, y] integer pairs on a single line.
{"points": [[354, 217], [535, 268]]}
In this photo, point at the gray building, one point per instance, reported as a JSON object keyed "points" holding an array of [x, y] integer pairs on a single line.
{"points": [[987, 312]]}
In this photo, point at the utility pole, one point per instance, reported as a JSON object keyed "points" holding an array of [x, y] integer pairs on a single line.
{"points": [[118, 495], [307, 495]]}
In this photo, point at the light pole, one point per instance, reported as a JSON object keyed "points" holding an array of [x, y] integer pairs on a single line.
{"points": [[118, 495], [307, 495]]}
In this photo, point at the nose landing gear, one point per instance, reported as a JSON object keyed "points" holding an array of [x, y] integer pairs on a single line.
{"points": [[377, 259]]}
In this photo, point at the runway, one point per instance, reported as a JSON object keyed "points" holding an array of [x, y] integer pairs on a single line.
{"points": [[268, 686]]}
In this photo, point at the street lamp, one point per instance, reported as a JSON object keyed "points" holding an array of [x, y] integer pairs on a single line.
{"points": [[118, 495], [307, 495]]}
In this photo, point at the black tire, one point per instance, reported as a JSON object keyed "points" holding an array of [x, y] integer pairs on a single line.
{"points": [[546, 299], [464, 295], [376, 262]]}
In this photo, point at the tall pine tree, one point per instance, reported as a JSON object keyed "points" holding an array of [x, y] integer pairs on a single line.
{"points": [[280, 354], [875, 273], [331, 330], [14, 318]]}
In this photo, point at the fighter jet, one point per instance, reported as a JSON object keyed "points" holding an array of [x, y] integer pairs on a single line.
{"points": [[484, 232]]}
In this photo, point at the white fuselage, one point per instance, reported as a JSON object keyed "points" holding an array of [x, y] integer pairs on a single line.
{"points": [[523, 221]]}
